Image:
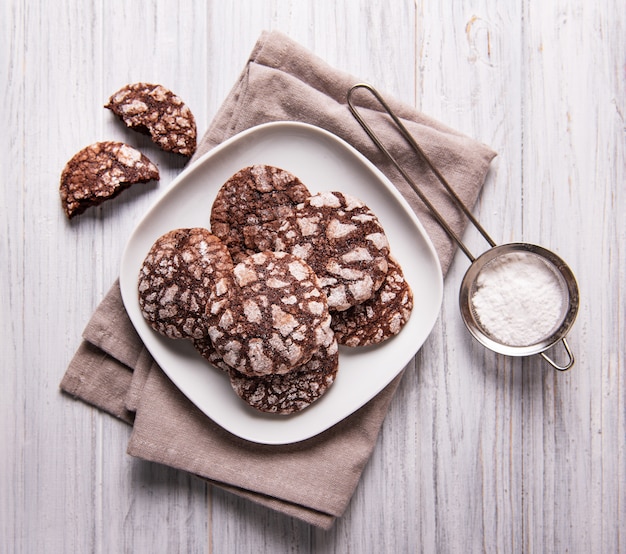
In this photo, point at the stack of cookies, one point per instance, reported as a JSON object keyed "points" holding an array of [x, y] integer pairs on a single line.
{"points": [[281, 279]]}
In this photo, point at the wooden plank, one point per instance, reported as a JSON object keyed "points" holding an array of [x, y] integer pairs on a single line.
{"points": [[40, 241], [574, 201], [12, 330]]}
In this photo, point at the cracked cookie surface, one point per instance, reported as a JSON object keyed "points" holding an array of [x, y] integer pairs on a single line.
{"points": [[100, 172], [157, 111], [293, 391], [177, 276], [274, 319], [204, 347], [379, 318], [345, 244], [251, 207]]}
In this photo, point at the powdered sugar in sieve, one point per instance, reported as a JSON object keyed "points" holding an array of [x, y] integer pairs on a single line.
{"points": [[519, 299]]}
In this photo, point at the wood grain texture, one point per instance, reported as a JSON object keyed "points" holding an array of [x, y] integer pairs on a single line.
{"points": [[479, 453]]}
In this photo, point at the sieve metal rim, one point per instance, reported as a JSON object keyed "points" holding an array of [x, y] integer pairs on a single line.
{"points": [[475, 329]]}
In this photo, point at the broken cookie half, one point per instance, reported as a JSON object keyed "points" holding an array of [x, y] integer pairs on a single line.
{"points": [[100, 172], [153, 109]]}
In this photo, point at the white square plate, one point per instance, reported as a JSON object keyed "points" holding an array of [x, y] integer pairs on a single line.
{"points": [[322, 161]]}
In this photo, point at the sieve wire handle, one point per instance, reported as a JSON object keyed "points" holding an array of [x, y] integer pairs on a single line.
{"points": [[420, 152], [565, 367]]}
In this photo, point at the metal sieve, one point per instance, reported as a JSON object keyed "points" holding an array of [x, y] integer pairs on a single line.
{"points": [[563, 277]]}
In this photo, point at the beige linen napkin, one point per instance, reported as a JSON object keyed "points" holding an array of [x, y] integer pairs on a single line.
{"points": [[312, 480]]}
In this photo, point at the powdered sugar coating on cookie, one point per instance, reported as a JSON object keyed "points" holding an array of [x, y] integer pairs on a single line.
{"points": [[205, 348], [157, 110], [100, 172], [293, 391], [177, 276], [379, 318], [250, 209], [345, 244], [275, 319]]}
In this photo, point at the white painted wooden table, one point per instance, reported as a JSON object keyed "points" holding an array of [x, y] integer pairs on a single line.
{"points": [[478, 452]]}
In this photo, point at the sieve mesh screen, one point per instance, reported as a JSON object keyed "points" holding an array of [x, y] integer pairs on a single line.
{"points": [[519, 299]]}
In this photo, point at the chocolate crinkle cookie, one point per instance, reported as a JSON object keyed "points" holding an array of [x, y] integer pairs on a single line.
{"points": [[177, 276], [251, 208], [153, 109], [293, 391], [345, 244], [379, 318], [276, 318], [100, 172]]}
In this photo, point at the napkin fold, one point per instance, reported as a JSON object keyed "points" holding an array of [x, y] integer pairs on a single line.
{"points": [[312, 480]]}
